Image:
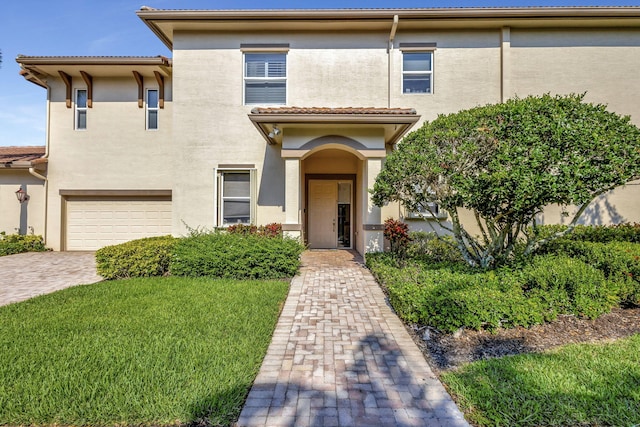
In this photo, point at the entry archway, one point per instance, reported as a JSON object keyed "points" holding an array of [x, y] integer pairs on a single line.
{"points": [[331, 201]]}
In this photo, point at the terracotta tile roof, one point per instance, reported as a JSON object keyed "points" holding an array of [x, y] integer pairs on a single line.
{"points": [[21, 154], [328, 110]]}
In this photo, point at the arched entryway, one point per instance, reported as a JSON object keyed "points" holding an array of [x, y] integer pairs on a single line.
{"points": [[331, 201], [331, 158]]}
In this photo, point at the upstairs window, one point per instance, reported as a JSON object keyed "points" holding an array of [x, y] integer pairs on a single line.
{"points": [[265, 78], [417, 72], [152, 109], [81, 109]]}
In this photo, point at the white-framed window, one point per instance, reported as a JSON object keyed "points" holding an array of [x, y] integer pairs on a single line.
{"points": [[152, 109], [425, 213], [81, 109], [427, 209], [236, 196], [417, 72], [265, 78]]}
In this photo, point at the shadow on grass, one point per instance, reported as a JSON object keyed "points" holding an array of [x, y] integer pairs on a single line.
{"points": [[217, 410]]}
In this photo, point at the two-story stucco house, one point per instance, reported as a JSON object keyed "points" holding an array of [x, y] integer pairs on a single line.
{"points": [[287, 116]]}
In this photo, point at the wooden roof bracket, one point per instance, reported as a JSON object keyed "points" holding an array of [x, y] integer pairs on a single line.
{"points": [[66, 78], [89, 81], [160, 80], [140, 81]]}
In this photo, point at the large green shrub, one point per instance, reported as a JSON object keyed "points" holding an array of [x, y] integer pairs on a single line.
{"points": [[429, 246], [18, 243], [619, 261], [237, 256], [568, 285], [505, 163], [138, 258], [452, 296], [626, 232]]}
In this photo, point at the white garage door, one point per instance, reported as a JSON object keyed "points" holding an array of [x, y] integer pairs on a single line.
{"points": [[92, 224]]}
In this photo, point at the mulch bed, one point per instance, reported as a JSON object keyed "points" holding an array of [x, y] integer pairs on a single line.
{"points": [[449, 351]]}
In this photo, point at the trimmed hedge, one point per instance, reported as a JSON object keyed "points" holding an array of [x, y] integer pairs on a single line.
{"points": [[567, 285], [626, 232], [619, 261], [449, 297], [236, 256], [138, 258], [11, 244]]}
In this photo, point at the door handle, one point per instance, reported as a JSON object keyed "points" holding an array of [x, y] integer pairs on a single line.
{"points": [[334, 225]]}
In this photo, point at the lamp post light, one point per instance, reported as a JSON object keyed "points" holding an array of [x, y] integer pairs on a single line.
{"points": [[22, 195]]}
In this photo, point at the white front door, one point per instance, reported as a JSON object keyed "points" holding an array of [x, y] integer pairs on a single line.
{"points": [[323, 210], [330, 213]]}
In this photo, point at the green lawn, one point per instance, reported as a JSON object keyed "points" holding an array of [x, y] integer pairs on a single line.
{"points": [[576, 385], [154, 351]]}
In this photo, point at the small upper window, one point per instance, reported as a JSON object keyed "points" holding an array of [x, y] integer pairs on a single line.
{"points": [[417, 72], [152, 109], [81, 109], [265, 78]]}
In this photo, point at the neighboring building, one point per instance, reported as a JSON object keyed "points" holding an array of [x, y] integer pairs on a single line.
{"points": [[287, 116], [22, 170]]}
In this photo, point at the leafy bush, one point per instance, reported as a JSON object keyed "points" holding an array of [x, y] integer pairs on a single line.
{"points": [[568, 285], [452, 296], [397, 233], [237, 256], [433, 247], [18, 243], [243, 229], [506, 162], [619, 261], [138, 258], [627, 232], [270, 230]]}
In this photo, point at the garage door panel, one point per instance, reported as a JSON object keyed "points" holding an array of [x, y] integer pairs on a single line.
{"points": [[92, 224]]}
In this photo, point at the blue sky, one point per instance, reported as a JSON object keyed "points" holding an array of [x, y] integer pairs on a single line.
{"points": [[111, 27]]}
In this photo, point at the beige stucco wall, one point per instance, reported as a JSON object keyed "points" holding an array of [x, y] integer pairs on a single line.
{"points": [[114, 152], [325, 70], [13, 215], [330, 70], [603, 63], [211, 120], [466, 72], [204, 124]]}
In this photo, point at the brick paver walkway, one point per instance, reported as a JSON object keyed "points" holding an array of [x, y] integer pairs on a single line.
{"points": [[340, 357], [23, 276]]}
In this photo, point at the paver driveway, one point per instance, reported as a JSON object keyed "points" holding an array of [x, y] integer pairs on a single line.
{"points": [[23, 276], [341, 357]]}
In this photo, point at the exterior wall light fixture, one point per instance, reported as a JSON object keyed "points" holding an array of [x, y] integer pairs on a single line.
{"points": [[22, 195], [275, 132]]}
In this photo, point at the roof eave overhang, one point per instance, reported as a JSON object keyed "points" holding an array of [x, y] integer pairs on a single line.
{"points": [[165, 22], [24, 164], [36, 69], [401, 123]]}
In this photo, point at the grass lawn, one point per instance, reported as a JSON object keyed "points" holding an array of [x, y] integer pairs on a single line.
{"points": [[157, 351], [586, 384]]}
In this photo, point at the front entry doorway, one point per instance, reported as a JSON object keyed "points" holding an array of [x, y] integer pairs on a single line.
{"points": [[330, 213]]}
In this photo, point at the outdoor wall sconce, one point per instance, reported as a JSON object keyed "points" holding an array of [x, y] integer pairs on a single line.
{"points": [[275, 132], [22, 195]]}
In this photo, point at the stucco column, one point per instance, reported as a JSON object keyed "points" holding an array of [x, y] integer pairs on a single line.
{"points": [[292, 224], [371, 219]]}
